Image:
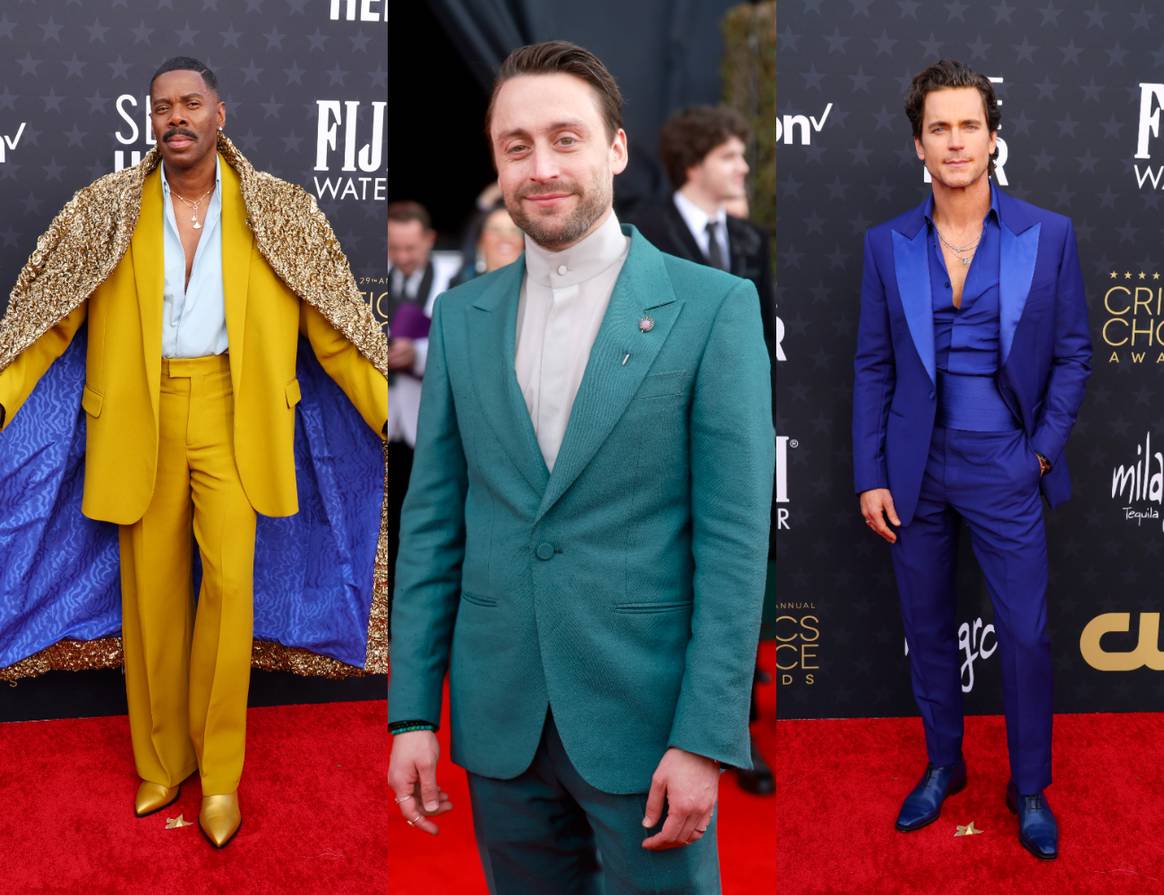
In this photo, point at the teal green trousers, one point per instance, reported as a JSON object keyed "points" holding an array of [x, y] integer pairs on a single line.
{"points": [[549, 831]]}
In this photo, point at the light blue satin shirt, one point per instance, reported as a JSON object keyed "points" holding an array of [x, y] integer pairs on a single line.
{"points": [[194, 315]]}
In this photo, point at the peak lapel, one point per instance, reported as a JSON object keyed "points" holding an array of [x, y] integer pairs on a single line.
{"points": [[237, 249], [912, 269], [148, 254], [1018, 251], [608, 384], [492, 339]]}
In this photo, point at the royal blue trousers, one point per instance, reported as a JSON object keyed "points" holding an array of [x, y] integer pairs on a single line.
{"points": [[988, 481]]}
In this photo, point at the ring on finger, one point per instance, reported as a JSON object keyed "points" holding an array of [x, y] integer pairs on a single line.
{"points": [[403, 799], [414, 821]]}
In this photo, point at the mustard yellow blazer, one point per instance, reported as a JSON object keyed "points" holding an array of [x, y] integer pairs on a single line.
{"points": [[263, 322]]}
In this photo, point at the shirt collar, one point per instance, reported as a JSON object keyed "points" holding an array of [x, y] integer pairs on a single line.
{"points": [[695, 217], [928, 208], [579, 263]]}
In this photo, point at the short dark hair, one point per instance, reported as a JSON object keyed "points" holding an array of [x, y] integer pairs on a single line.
{"points": [[562, 57], [186, 63], [690, 134], [944, 75], [404, 210]]}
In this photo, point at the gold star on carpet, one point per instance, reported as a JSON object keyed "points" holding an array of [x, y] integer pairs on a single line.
{"points": [[968, 830], [176, 823]]}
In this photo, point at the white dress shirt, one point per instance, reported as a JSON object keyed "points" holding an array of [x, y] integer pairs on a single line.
{"points": [[194, 313], [564, 296], [697, 220]]}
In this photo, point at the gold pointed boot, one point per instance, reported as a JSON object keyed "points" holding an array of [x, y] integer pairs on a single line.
{"points": [[220, 818], [153, 797]]}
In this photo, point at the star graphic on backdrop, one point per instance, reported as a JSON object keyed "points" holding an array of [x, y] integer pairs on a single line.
{"points": [[360, 41], [28, 64], [141, 33], [274, 38], [836, 41], [788, 40], [186, 35], [1095, 16], [74, 67], [52, 102], [1070, 52], [317, 40], [1116, 55], [6, 27], [908, 8], [1002, 12], [336, 76], [230, 36], [294, 74], [119, 68], [97, 31], [1050, 14], [884, 43], [52, 31], [956, 10], [251, 73]]}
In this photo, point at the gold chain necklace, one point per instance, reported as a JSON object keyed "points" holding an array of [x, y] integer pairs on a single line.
{"points": [[194, 205]]}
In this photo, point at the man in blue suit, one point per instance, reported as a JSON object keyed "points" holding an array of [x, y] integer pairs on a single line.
{"points": [[584, 539], [972, 355]]}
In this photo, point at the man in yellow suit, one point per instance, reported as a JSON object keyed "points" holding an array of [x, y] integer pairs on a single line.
{"points": [[194, 321]]}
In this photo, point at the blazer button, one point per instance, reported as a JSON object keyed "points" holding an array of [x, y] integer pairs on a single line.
{"points": [[544, 551]]}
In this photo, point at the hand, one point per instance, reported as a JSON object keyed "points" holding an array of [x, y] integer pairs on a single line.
{"points": [[690, 784], [412, 777], [401, 354], [876, 507]]}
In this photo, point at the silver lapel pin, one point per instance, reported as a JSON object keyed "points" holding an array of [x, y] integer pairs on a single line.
{"points": [[646, 324]]}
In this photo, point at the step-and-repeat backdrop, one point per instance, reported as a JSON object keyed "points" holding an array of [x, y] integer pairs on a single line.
{"points": [[1081, 86], [305, 84]]}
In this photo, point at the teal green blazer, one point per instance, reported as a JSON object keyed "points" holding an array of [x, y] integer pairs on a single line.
{"points": [[624, 590]]}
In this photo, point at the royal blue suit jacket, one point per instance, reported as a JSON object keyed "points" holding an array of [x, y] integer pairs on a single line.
{"points": [[1044, 338]]}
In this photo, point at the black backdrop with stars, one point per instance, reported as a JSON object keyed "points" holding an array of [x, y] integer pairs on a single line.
{"points": [[1080, 139], [306, 88]]}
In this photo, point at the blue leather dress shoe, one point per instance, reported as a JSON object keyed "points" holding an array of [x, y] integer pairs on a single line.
{"points": [[924, 805], [1038, 829]]}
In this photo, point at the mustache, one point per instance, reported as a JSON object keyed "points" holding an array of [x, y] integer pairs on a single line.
{"points": [[547, 189], [178, 132]]}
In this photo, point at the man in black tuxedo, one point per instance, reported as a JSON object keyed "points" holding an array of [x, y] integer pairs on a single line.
{"points": [[702, 151]]}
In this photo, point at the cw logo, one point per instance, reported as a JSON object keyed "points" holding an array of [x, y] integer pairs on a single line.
{"points": [[1147, 653]]}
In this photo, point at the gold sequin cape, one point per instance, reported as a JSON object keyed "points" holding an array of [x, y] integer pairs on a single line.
{"points": [[78, 252]]}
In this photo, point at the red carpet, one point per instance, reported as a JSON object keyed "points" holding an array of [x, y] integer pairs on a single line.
{"points": [[313, 797], [747, 824], [842, 782]]}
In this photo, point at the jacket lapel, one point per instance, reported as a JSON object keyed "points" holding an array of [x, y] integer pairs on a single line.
{"points": [[148, 257], [491, 349], [643, 289], [1018, 251], [237, 248], [912, 269]]}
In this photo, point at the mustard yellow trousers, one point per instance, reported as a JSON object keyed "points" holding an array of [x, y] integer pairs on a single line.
{"points": [[187, 667]]}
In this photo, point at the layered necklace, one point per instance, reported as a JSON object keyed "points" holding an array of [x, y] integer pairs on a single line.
{"points": [[960, 251], [193, 206]]}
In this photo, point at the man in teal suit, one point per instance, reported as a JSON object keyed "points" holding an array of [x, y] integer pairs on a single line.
{"points": [[584, 539]]}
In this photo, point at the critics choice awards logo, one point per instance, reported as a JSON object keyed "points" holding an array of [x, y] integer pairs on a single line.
{"points": [[797, 643], [1133, 317], [1138, 487]]}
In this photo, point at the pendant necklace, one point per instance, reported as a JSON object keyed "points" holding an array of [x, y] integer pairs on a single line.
{"points": [[194, 206], [960, 250]]}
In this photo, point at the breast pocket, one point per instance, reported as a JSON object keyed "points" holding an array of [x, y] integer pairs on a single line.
{"points": [[663, 385]]}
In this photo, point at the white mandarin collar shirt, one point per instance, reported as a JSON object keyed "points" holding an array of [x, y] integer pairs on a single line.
{"points": [[564, 296], [697, 220]]}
